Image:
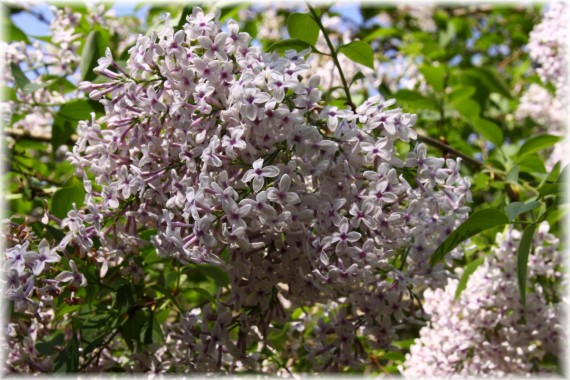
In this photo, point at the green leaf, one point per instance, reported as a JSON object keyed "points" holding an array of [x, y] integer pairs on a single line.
{"points": [[68, 360], [151, 332], [489, 130], [478, 221], [301, 26], [42, 38], [550, 189], [513, 175], [68, 116], [538, 143], [522, 259], [132, 329], [89, 56], [45, 346], [290, 44], [31, 87], [185, 12], [94, 48], [15, 34], [516, 208], [415, 99], [219, 276], [63, 199], [359, 52], [434, 75], [467, 272], [8, 93], [531, 163], [490, 79], [467, 107], [380, 33], [460, 93], [20, 79]]}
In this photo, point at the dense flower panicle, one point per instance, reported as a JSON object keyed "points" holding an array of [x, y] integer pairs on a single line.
{"points": [[548, 48], [548, 44], [221, 148], [32, 283], [488, 331]]}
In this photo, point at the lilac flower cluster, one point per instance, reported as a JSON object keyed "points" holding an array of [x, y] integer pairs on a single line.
{"points": [[488, 331], [32, 282], [548, 47], [34, 112], [231, 159], [548, 44]]}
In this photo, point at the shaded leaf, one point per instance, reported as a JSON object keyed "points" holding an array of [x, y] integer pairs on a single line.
{"points": [[219, 276], [68, 359], [46, 345], [63, 199]]}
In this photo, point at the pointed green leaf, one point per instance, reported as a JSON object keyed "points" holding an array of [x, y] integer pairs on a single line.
{"points": [[467, 272], [68, 360], [359, 52], [460, 93], [93, 49], [301, 26], [538, 143], [20, 79], [516, 208], [522, 259], [478, 221]]}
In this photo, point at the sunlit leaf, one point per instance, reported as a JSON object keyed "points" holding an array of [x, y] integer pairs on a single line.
{"points": [[489, 130], [359, 52], [522, 259], [301, 26], [467, 272], [478, 221], [516, 208]]}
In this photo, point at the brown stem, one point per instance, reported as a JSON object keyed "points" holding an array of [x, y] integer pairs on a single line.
{"points": [[476, 164]]}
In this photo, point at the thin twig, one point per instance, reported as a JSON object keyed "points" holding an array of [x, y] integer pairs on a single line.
{"points": [[334, 57], [24, 135], [447, 149]]}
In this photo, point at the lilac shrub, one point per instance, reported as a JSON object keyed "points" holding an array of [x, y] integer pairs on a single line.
{"points": [[229, 158]]}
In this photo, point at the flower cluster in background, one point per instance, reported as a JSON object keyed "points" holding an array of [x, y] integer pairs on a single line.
{"points": [[548, 47], [488, 331]]}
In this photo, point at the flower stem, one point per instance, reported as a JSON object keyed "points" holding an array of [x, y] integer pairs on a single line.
{"points": [[334, 56]]}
